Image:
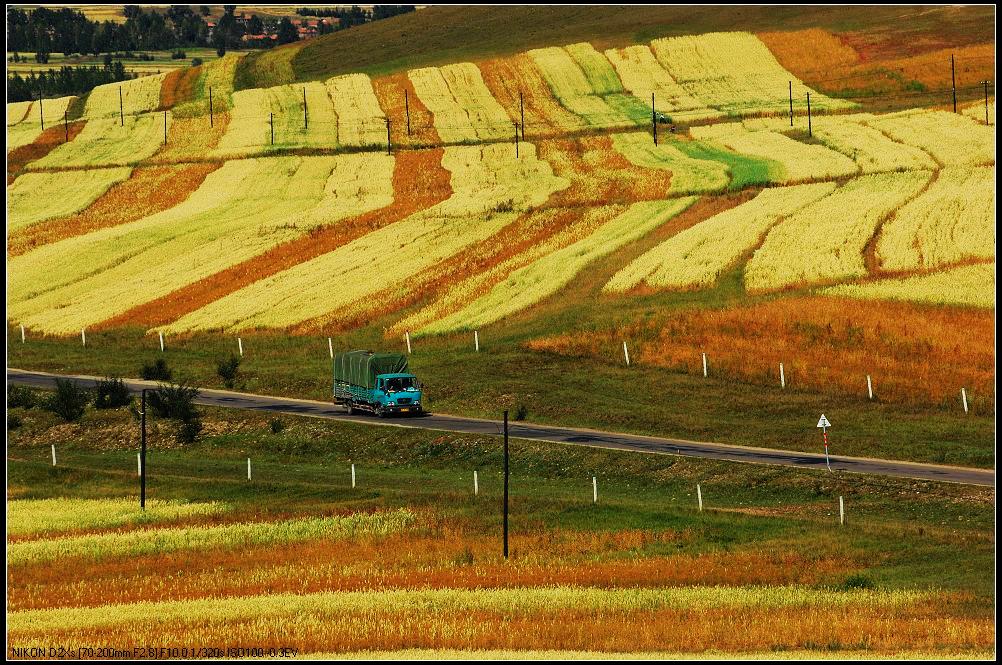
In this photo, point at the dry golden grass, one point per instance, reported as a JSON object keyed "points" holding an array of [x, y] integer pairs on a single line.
{"points": [[914, 354], [507, 77]]}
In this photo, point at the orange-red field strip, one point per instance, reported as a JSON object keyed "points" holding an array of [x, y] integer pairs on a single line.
{"points": [[50, 139], [147, 191], [390, 92], [419, 181]]}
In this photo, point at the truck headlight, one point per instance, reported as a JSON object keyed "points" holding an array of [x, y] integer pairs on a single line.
{"points": [[391, 403]]}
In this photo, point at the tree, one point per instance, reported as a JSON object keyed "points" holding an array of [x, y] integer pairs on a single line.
{"points": [[287, 32], [255, 26]]}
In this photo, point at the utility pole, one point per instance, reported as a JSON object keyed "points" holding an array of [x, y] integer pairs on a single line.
{"points": [[142, 455], [210, 106], [66, 124], [791, 103], [41, 116], [306, 119], [407, 111], [165, 127], [121, 106], [271, 122], [809, 133], [985, 83], [387, 136], [953, 75], [505, 484], [521, 110], [516, 139], [654, 120]]}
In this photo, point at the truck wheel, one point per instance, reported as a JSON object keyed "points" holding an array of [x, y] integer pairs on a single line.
{"points": [[351, 408], [380, 411]]}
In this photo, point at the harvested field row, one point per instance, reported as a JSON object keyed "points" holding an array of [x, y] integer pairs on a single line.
{"points": [[47, 517], [971, 286], [108, 142], [37, 197]]}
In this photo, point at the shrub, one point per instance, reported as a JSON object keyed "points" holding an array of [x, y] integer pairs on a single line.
{"points": [[178, 55], [196, 62], [156, 371], [276, 426], [521, 412], [188, 431], [857, 582], [20, 397], [69, 401], [111, 393], [13, 421], [227, 369], [175, 401]]}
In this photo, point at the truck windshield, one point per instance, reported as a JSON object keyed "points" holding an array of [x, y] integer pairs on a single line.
{"points": [[398, 384]]}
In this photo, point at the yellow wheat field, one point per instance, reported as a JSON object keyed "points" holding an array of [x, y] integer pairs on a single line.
{"points": [[106, 142], [824, 241], [462, 107], [951, 138], [24, 120], [257, 110], [506, 601], [36, 197], [228, 536], [735, 72], [216, 75], [872, 150], [642, 75], [461, 293], [954, 220], [697, 256], [970, 286], [269, 201], [688, 174], [798, 161], [45, 517], [541, 279], [977, 111], [360, 121], [139, 95], [564, 655], [484, 178], [574, 90]]}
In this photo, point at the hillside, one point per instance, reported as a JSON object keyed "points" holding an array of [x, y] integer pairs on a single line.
{"points": [[187, 204]]}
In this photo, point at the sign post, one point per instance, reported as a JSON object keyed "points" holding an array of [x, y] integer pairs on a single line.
{"points": [[824, 425]]}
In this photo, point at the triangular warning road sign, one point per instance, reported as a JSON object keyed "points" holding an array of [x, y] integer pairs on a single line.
{"points": [[823, 422]]}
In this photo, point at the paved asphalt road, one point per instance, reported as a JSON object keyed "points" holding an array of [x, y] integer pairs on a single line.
{"points": [[568, 435]]}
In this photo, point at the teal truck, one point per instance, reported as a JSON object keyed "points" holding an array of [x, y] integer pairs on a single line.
{"points": [[376, 382]]}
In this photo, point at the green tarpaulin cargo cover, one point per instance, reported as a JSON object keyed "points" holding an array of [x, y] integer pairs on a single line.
{"points": [[360, 368]]}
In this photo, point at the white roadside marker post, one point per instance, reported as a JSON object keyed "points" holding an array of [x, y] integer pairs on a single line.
{"points": [[353, 475], [704, 365], [407, 336], [161, 342], [869, 386], [83, 336], [139, 464], [699, 496], [53, 454], [22, 334], [824, 425], [626, 353], [248, 469], [963, 396], [476, 340], [782, 376], [330, 347], [841, 511], [594, 489], [476, 484], [240, 345]]}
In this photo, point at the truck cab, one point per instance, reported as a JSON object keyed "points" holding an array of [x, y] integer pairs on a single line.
{"points": [[397, 393]]}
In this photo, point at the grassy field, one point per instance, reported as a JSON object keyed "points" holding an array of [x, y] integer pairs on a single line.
{"points": [[908, 571], [162, 61]]}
